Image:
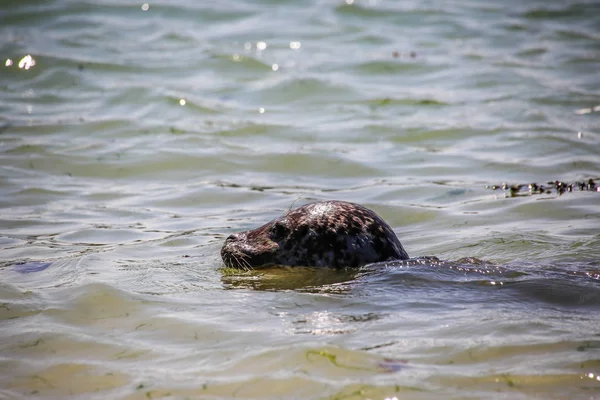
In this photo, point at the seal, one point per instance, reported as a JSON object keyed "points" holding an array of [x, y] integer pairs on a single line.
{"points": [[323, 234]]}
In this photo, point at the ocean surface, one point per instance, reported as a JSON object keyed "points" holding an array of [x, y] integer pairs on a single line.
{"points": [[135, 137]]}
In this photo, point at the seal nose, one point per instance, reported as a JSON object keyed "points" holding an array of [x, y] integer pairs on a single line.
{"points": [[232, 238]]}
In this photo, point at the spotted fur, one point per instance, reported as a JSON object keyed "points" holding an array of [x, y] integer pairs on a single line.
{"points": [[323, 234]]}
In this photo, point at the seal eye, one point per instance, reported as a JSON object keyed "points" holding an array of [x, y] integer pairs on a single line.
{"points": [[278, 231]]}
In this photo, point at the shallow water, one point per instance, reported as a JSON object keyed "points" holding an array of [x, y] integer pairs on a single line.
{"points": [[133, 141]]}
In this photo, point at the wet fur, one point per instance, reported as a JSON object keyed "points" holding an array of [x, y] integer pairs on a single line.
{"points": [[323, 234]]}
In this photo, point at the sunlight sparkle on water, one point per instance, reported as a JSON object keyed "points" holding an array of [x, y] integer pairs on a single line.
{"points": [[8, 62], [26, 62], [587, 110], [182, 102], [145, 7], [261, 110], [592, 376], [274, 67], [261, 45], [295, 45]]}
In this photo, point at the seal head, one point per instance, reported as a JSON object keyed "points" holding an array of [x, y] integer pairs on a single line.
{"points": [[322, 234]]}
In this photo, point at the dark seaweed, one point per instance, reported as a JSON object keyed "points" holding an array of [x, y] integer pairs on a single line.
{"points": [[558, 187]]}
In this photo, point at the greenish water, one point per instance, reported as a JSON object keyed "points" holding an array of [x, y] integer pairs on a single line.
{"points": [[134, 140]]}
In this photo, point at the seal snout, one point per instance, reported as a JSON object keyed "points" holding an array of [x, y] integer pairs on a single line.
{"points": [[234, 237], [230, 253]]}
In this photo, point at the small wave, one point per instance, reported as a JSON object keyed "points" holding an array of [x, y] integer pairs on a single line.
{"points": [[575, 284], [469, 279]]}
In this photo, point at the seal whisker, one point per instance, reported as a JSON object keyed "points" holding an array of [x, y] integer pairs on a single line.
{"points": [[235, 262], [294, 202], [227, 260], [243, 263]]}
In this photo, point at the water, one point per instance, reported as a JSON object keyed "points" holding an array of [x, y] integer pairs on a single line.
{"points": [[133, 141]]}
